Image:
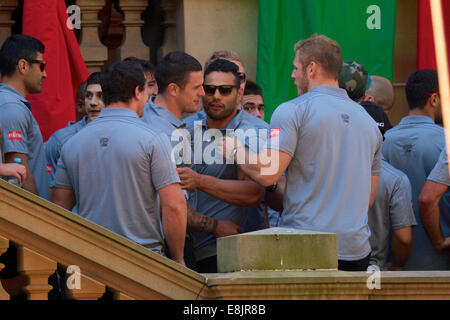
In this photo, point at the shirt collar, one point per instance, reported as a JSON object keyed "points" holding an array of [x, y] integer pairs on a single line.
{"points": [[339, 92], [12, 91], [414, 119], [117, 111], [164, 113]]}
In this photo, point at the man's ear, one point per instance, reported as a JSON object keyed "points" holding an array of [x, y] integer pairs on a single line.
{"points": [[435, 100], [369, 98], [23, 66], [312, 69], [173, 89], [138, 93]]}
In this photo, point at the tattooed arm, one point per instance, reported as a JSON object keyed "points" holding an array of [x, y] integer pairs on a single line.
{"points": [[198, 222]]}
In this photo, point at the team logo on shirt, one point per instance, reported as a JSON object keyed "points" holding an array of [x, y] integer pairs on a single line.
{"points": [[15, 136], [49, 168], [104, 143], [407, 149], [345, 119], [274, 133]]}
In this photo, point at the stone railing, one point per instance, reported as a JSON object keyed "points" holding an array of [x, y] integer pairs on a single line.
{"points": [[45, 235]]}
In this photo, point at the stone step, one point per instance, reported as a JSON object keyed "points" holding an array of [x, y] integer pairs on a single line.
{"points": [[277, 249]]}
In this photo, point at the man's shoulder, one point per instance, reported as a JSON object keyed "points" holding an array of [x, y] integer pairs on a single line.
{"points": [[393, 175], [250, 121]]}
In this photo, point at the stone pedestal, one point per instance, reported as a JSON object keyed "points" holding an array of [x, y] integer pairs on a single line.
{"points": [[133, 44], [94, 52], [169, 24], [277, 249]]}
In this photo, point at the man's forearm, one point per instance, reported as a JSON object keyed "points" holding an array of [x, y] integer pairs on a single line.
{"points": [[175, 232], [244, 193], [198, 222], [401, 247], [28, 184], [429, 214]]}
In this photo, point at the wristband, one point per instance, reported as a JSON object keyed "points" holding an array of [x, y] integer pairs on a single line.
{"points": [[272, 188], [232, 153], [214, 225]]}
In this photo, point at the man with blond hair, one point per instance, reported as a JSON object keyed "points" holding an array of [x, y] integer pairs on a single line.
{"points": [[330, 147]]}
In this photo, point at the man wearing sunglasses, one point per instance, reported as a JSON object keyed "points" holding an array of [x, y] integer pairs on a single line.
{"points": [[222, 191], [180, 81], [413, 146], [22, 69]]}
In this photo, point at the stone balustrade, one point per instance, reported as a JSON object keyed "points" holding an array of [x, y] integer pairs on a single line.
{"points": [[95, 54]]}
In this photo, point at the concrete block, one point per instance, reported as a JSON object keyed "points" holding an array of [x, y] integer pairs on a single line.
{"points": [[277, 249]]}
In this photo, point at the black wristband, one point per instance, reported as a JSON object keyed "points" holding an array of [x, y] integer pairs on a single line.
{"points": [[272, 188], [214, 225]]}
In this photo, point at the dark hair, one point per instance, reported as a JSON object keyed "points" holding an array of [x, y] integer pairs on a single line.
{"points": [[121, 80], [147, 66], [420, 84], [175, 67], [252, 88], [16, 47], [96, 78], [81, 92], [222, 65]]}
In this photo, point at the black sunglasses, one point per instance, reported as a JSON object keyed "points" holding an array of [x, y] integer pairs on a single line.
{"points": [[224, 90], [42, 64]]}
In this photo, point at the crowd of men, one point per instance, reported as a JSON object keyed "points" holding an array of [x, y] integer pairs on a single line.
{"points": [[175, 156]]}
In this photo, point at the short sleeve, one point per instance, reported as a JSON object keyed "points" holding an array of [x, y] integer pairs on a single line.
{"points": [[52, 154], [440, 173], [162, 166], [401, 209], [283, 129], [14, 123], [376, 164], [62, 179]]}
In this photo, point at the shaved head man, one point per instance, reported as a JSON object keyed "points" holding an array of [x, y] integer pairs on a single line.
{"points": [[381, 92]]}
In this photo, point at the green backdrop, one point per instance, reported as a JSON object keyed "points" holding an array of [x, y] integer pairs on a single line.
{"points": [[364, 29]]}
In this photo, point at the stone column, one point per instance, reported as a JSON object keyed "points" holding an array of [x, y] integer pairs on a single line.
{"points": [[94, 52], [133, 44], [170, 24], [36, 269], [6, 9], [4, 245]]}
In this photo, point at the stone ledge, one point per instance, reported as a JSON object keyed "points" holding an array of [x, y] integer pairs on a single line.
{"points": [[277, 249]]}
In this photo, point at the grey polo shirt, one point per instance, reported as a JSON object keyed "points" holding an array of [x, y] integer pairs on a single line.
{"points": [[335, 147], [440, 174], [21, 134], [392, 208], [205, 244], [54, 144], [160, 119], [115, 166], [413, 147]]}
